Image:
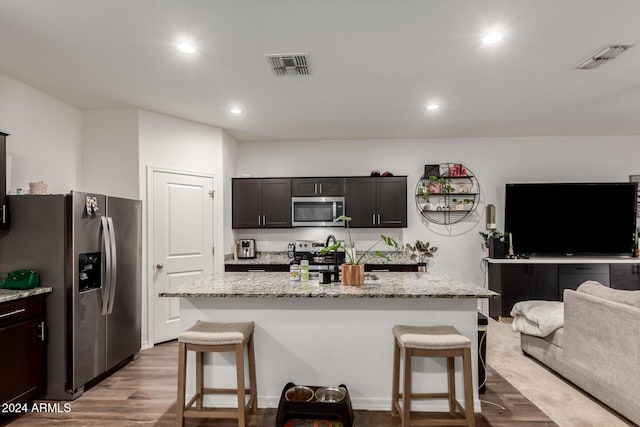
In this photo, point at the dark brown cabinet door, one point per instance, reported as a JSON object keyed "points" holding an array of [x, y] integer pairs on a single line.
{"points": [[4, 213], [360, 202], [544, 282], [625, 276], [521, 282], [377, 202], [516, 286], [392, 202], [276, 203], [22, 359], [261, 203], [301, 187], [256, 267], [246, 195], [571, 276], [495, 284]]}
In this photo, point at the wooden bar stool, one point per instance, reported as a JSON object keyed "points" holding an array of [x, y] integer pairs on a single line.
{"points": [[209, 337], [432, 341]]}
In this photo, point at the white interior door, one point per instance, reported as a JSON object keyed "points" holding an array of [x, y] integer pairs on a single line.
{"points": [[182, 241]]}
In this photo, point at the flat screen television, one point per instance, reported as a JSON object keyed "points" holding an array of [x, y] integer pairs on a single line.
{"points": [[561, 219]]}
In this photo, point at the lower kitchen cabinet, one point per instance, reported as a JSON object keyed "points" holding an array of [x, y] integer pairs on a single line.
{"points": [[396, 268], [374, 268], [256, 267], [22, 340]]}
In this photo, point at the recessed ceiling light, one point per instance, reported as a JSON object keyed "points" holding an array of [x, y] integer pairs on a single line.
{"points": [[236, 110], [433, 106], [492, 38], [186, 48]]}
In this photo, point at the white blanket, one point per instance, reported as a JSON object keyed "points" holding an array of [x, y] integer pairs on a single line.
{"points": [[539, 318]]}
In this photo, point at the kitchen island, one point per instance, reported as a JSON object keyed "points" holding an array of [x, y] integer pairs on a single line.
{"points": [[314, 334]]}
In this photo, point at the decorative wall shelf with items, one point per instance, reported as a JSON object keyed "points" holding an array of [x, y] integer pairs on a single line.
{"points": [[447, 193]]}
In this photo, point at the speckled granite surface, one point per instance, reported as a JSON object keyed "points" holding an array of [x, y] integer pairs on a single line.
{"points": [[278, 285], [282, 258], [7, 295], [261, 258]]}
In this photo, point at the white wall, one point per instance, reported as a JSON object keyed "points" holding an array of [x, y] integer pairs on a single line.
{"points": [[45, 137], [110, 152], [172, 143], [494, 161], [229, 170], [177, 144]]}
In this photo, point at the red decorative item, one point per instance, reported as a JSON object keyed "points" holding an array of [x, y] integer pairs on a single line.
{"points": [[455, 169]]}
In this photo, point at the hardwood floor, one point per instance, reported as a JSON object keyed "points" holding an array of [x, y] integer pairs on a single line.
{"points": [[144, 393]]}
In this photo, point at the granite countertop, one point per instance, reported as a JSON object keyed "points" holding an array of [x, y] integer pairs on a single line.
{"points": [[281, 258], [7, 295], [378, 285]]}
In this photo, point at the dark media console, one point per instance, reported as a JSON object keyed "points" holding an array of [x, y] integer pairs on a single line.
{"points": [[547, 278]]}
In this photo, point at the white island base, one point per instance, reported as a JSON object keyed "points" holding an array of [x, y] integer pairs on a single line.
{"points": [[331, 341]]}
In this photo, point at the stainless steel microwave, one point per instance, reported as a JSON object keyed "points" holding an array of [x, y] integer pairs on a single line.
{"points": [[317, 211]]}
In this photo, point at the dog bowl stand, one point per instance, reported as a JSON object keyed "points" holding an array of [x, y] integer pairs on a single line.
{"points": [[313, 409]]}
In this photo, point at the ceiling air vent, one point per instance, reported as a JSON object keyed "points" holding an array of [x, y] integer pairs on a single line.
{"points": [[289, 64], [604, 55]]}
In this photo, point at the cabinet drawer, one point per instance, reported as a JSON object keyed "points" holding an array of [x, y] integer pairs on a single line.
{"points": [[571, 276], [256, 267], [19, 310], [583, 269], [382, 268]]}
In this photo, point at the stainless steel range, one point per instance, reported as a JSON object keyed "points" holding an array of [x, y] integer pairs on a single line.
{"points": [[310, 250]]}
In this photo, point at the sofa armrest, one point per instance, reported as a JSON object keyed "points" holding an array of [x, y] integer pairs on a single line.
{"points": [[601, 349]]}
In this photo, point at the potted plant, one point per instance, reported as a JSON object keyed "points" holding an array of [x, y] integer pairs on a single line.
{"points": [[353, 268], [463, 204], [424, 251], [446, 186], [435, 185], [495, 243]]}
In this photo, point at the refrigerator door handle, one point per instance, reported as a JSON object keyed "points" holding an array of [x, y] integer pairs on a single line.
{"points": [[114, 265], [106, 280]]}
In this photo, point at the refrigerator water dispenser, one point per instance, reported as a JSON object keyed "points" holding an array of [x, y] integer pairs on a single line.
{"points": [[90, 271]]}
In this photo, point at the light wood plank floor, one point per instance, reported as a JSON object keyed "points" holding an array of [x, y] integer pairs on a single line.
{"points": [[144, 393]]}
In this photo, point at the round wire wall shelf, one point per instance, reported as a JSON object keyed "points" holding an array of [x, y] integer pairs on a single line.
{"points": [[447, 193]]}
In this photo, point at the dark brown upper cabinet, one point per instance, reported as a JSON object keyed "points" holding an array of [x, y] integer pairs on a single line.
{"points": [[373, 202], [4, 207], [261, 202], [301, 187]]}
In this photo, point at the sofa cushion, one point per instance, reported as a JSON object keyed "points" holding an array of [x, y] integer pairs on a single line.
{"points": [[618, 295]]}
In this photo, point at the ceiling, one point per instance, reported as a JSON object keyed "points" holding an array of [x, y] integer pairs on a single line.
{"points": [[375, 64]]}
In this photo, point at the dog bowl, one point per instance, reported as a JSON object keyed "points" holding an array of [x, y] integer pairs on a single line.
{"points": [[299, 393], [330, 394]]}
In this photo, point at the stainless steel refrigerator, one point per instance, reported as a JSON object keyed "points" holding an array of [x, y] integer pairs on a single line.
{"points": [[88, 248]]}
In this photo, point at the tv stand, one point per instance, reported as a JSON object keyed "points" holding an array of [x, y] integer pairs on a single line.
{"points": [[546, 278]]}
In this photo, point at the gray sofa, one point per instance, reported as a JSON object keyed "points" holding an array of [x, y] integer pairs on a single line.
{"points": [[598, 348]]}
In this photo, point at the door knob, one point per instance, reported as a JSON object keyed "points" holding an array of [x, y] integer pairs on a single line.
{"points": [[159, 266]]}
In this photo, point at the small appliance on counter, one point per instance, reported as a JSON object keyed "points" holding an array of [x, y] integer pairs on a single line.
{"points": [[291, 250], [247, 248]]}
